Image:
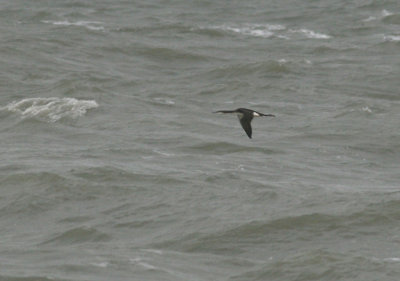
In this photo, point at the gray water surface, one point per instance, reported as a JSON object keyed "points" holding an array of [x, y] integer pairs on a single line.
{"points": [[113, 166]]}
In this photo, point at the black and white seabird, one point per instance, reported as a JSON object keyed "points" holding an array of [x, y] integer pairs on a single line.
{"points": [[245, 116]]}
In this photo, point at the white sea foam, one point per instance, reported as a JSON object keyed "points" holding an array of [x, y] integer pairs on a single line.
{"points": [[383, 14], [392, 259], [269, 30], [256, 30], [141, 262], [366, 109], [100, 264], [164, 101], [147, 265], [92, 25], [307, 61], [371, 18], [311, 34], [393, 38], [386, 13], [158, 252], [249, 31], [51, 109], [163, 153]]}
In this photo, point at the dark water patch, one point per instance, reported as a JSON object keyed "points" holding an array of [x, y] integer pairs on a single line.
{"points": [[377, 149], [33, 180], [76, 219], [373, 5], [332, 50], [135, 224], [389, 45], [144, 225], [267, 68], [210, 32], [392, 19], [164, 28], [38, 15], [108, 176], [77, 236], [76, 4], [143, 208], [200, 243], [364, 91], [39, 192], [25, 205], [388, 95], [171, 55], [222, 148], [307, 228], [261, 232], [105, 174], [335, 138], [214, 89], [219, 148], [364, 29], [224, 177], [377, 215]]}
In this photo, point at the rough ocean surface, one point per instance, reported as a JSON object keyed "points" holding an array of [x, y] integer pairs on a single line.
{"points": [[113, 166]]}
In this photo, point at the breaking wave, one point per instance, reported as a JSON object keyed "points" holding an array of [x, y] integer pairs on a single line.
{"points": [[91, 25], [269, 30], [51, 109]]}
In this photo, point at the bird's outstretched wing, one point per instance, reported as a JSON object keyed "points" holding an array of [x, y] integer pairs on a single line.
{"points": [[225, 111], [245, 121]]}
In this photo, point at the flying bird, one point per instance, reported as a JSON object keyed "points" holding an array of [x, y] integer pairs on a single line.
{"points": [[245, 116]]}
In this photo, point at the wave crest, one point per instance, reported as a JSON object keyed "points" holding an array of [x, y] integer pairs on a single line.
{"points": [[268, 30], [51, 109], [91, 25]]}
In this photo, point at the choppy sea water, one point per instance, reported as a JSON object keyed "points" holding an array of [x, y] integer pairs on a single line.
{"points": [[115, 168]]}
